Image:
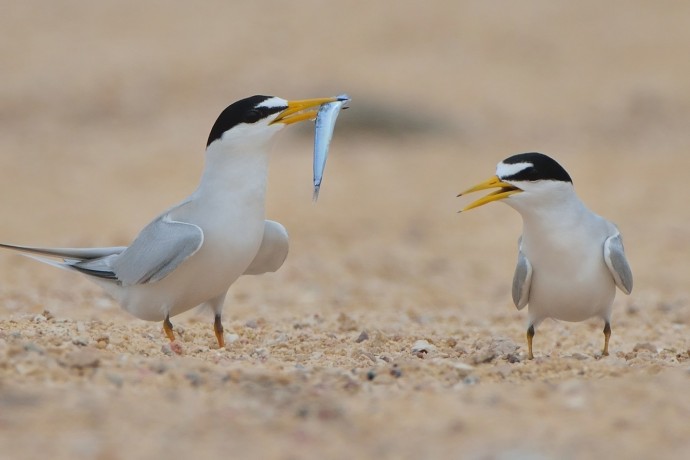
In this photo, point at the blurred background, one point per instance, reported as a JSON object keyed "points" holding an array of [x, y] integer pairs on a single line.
{"points": [[105, 108]]}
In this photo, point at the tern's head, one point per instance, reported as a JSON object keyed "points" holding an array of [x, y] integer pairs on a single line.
{"points": [[528, 178], [256, 119]]}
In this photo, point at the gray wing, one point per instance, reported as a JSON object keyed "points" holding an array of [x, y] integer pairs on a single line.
{"points": [[522, 279], [273, 250], [614, 255], [158, 250]]}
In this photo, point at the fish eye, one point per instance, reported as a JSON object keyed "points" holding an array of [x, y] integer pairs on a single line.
{"points": [[252, 116]]}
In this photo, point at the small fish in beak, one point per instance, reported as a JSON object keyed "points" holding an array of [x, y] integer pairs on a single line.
{"points": [[323, 133]]}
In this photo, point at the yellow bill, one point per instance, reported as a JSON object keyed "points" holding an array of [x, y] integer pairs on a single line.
{"points": [[305, 109], [504, 191]]}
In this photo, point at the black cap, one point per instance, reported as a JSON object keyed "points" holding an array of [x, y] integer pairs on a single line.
{"points": [[242, 111], [537, 167]]}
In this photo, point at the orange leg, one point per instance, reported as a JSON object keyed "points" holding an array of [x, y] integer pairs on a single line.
{"points": [[530, 336], [168, 328], [607, 336], [218, 329]]}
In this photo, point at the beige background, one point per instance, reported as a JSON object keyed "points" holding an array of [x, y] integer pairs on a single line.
{"points": [[105, 108]]}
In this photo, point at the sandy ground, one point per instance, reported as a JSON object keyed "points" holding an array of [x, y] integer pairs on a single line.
{"points": [[104, 110]]}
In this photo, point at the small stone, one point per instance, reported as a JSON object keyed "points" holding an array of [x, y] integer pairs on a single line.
{"points": [[169, 348], [579, 356], [194, 378], [471, 380], [513, 358], [30, 346], [82, 359], [80, 341], [48, 315], [371, 375], [39, 319], [159, 367], [115, 379], [423, 347], [176, 347], [252, 324], [101, 344], [463, 369], [645, 346], [230, 337], [483, 356], [346, 324], [396, 371], [260, 353], [362, 337]]}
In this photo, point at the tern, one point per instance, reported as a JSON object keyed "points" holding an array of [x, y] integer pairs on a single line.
{"points": [[191, 253], [570, 260]]}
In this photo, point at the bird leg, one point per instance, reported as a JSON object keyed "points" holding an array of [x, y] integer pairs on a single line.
{"points": [[168, 328], [530, 336], [607, 336], [218, 329]]}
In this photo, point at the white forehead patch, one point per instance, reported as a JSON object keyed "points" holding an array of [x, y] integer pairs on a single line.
{"points": [[273, 102], [510, 169]]}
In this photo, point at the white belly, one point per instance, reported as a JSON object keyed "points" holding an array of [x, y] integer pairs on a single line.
{"points": [[569, 283]]}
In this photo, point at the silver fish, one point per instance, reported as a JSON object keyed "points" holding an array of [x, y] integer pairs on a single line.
{"points": [[323, 133]]}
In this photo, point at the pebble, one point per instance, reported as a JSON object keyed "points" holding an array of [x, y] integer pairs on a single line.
{"points": [[170, 348], [362, 337], [483, 356], [470, 380], [645, 346], [82, 359], [579, 356], [513, 358], [422, 347], [39, 319], [194, 378], [463, 369], [231, 337], [396, 371], [115, 379], [30, 346], [80, 341]]}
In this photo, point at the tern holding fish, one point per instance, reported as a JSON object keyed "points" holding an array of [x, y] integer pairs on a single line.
{"points": [[191, 253], [570, 260]]}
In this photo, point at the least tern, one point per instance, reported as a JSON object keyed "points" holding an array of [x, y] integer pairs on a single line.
{"points": [[570, 260], [191, 253]]}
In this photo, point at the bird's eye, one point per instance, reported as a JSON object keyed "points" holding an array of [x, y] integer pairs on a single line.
{"points": [[252, 116]]}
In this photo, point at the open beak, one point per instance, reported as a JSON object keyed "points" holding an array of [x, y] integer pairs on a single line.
{"points": [[504, 191], [305, 109]]}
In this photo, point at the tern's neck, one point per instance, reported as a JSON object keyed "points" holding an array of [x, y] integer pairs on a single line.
{"points": [[553, 212], [235, 174]]}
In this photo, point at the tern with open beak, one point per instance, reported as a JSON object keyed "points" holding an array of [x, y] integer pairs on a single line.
{"points": [[570, 260], [191, 253]]}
